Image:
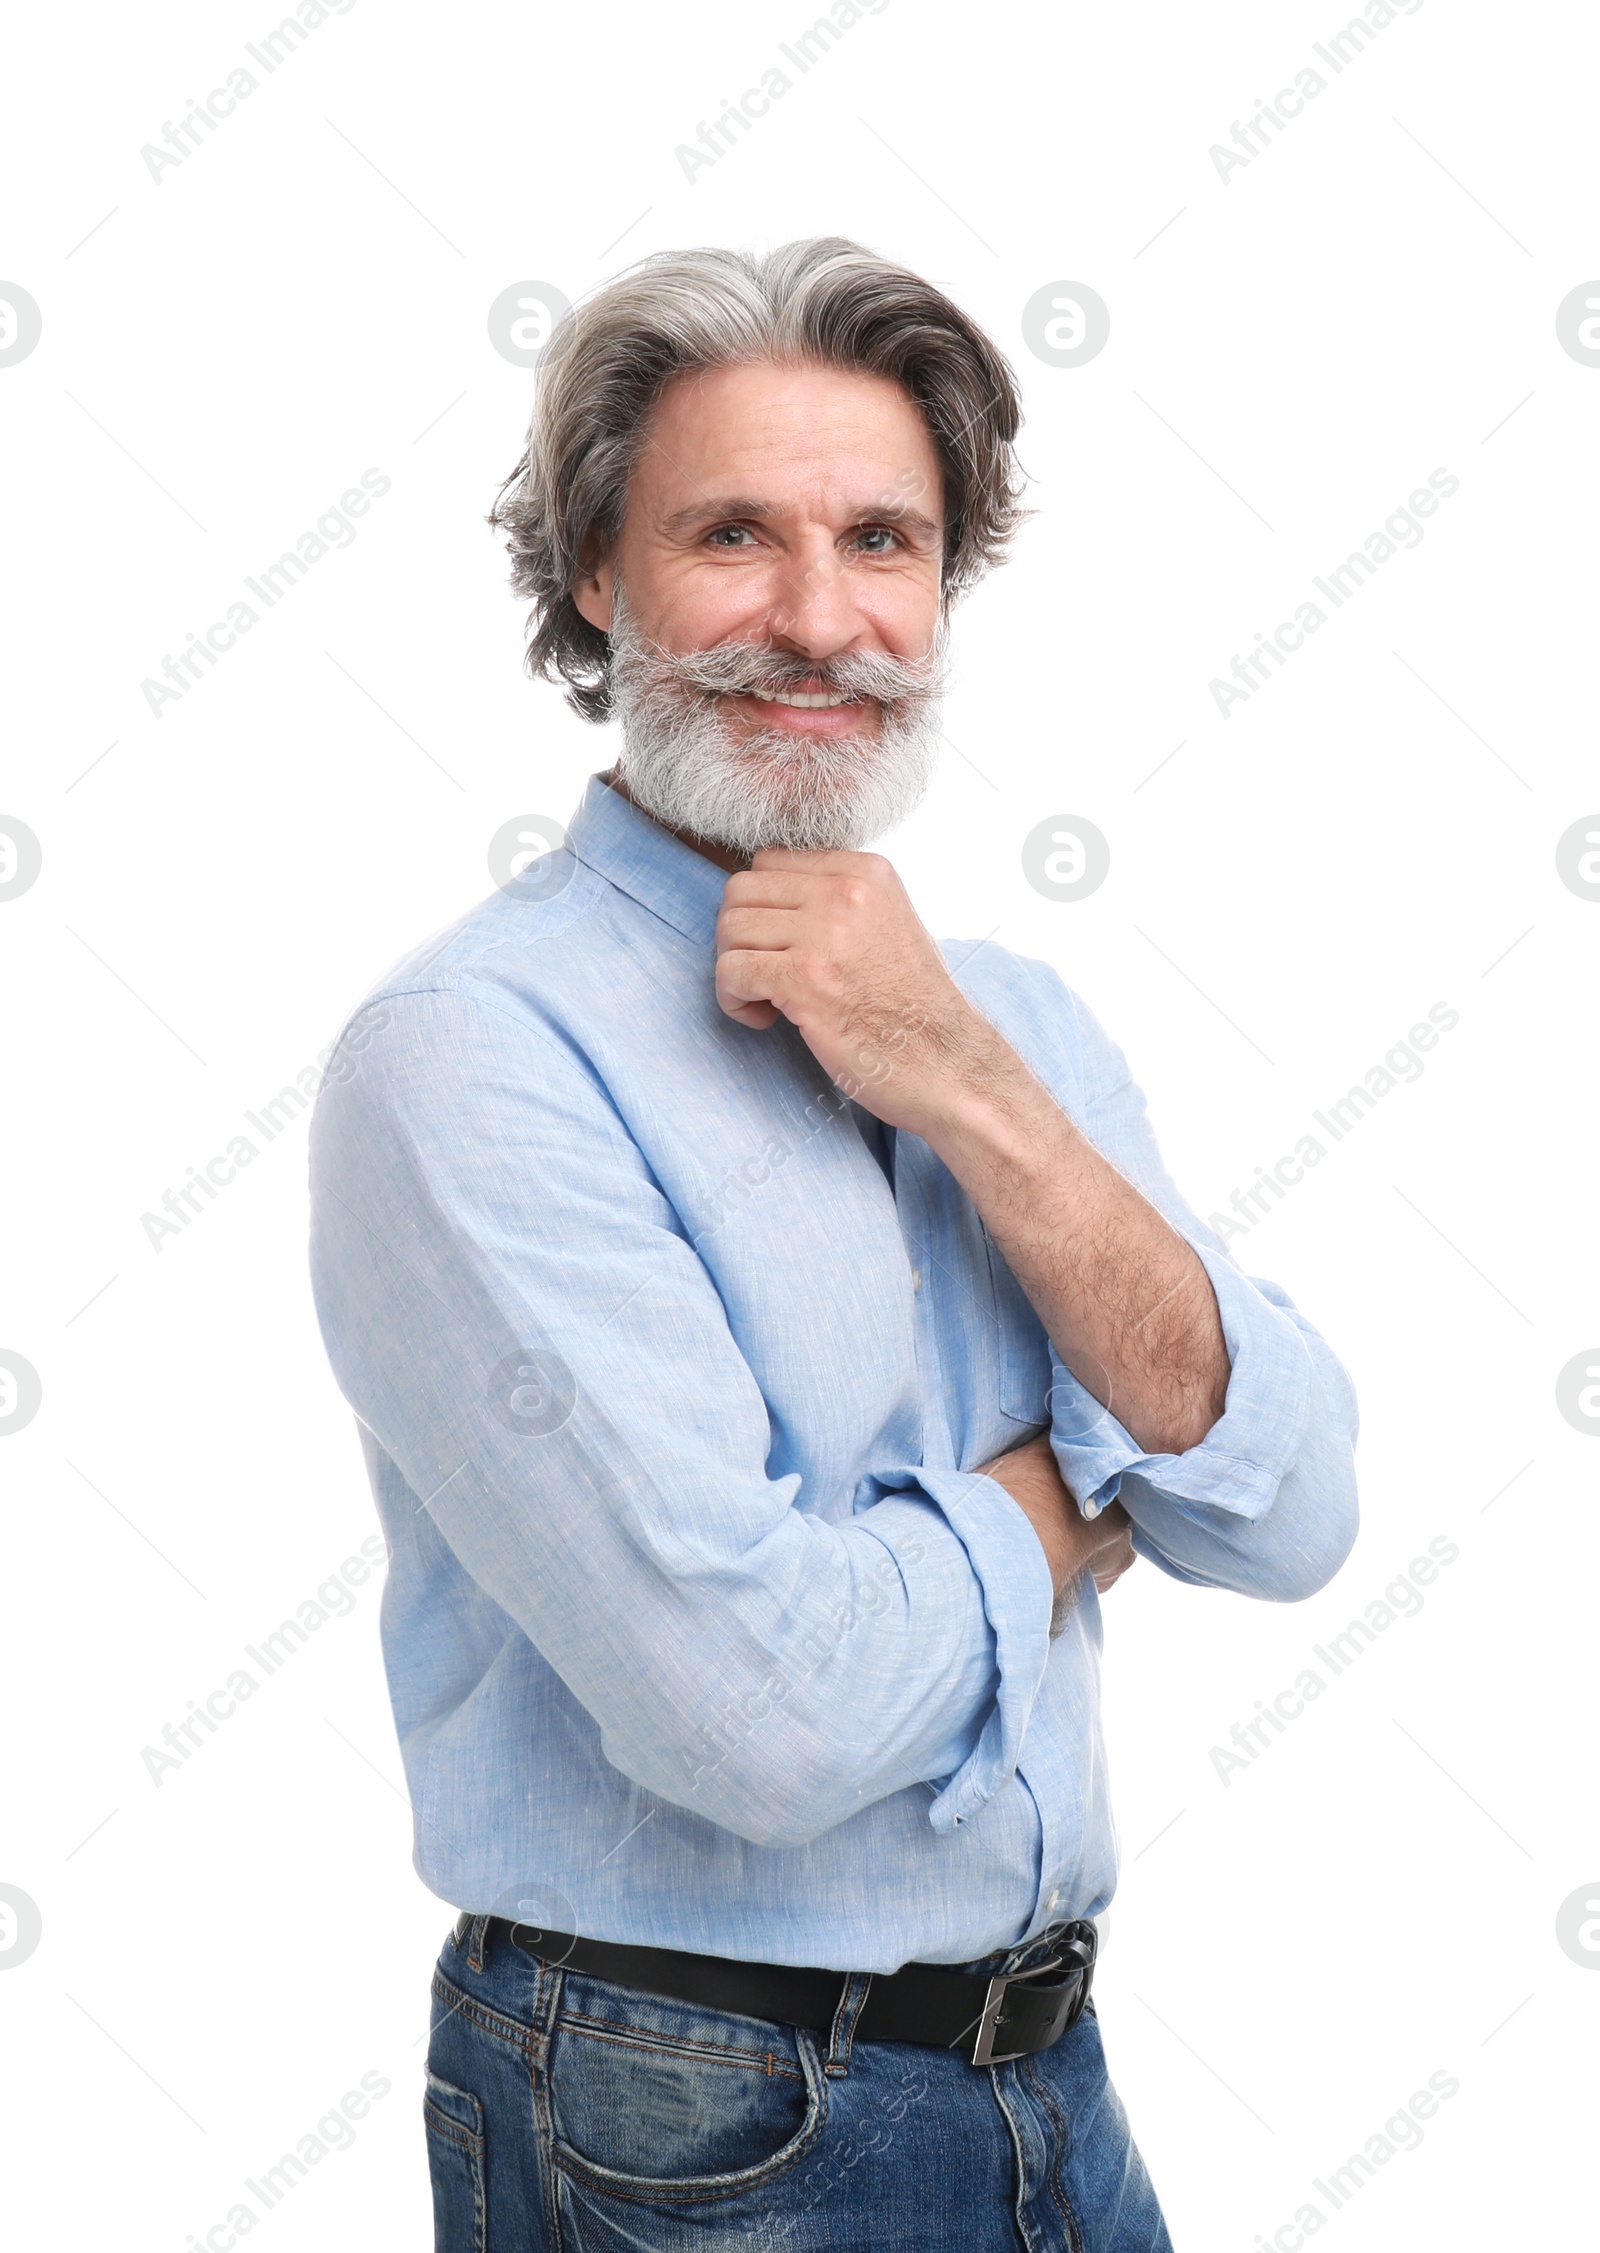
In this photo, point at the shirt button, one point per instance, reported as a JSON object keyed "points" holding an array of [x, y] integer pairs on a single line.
{"points": [[916, 1278], [1091, 1509]]}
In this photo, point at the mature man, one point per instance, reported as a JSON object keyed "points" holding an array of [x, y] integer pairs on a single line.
{"points": [[769, 1331]]}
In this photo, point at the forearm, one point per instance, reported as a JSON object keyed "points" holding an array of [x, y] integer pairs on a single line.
{"points": [[1281, 1554], [1071, 1542], [1125, 1299], [739, 1654]]}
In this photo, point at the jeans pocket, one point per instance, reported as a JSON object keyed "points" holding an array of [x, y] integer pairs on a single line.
{"points": [[454, 2122], [671, 2102]]}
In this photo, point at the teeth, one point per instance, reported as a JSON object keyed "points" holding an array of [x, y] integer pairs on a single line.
{"points": [[823, 703]]}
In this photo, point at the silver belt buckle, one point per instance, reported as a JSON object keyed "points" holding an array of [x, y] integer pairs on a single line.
{"points": [[983, 2050]]}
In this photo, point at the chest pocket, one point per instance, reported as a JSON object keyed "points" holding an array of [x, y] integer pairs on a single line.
{"points": [[1022, 1350]]}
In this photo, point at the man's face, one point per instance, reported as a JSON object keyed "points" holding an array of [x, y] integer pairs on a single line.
{"points": [[776, 652]]}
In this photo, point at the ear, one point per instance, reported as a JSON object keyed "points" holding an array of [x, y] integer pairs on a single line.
{"points": [[594, 588]]}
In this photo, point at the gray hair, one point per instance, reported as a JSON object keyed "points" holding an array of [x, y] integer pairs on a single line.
{"points": [[825, 301]]}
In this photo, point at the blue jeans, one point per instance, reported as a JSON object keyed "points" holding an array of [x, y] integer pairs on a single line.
{"points": [[570, 2115]]}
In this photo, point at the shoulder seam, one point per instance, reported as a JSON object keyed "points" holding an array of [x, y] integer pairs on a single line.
{"points": [[460, 992]]}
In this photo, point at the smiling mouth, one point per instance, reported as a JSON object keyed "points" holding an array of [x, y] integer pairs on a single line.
{"points": [[825, 701]]}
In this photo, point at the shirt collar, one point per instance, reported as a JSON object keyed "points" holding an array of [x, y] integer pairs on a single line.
{"points": [[638, 856]]}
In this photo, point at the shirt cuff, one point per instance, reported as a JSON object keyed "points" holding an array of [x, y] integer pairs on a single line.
{"points": [[1013, 1574], [1243, 1459]]}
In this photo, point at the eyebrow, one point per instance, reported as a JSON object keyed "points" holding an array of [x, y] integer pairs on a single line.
{"points": [[738, 507]]}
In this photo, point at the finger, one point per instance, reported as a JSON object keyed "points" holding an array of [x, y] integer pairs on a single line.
{"points": [[782, 876], [763, 930], [769, 887], [781, 887], [1109, 1569], [745, 975], [784, 857]]}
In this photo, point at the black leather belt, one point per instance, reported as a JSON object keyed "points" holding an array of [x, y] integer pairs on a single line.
{"points": [[992, 2020]]}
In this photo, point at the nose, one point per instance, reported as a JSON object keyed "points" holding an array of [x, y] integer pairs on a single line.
{"points": [[814, 609]]}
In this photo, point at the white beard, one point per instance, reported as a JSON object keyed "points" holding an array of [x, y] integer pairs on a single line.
{"points": [[684, 760]]}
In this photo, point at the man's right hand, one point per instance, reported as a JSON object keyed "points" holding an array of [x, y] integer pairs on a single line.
{"points": [[1073, 1544]]}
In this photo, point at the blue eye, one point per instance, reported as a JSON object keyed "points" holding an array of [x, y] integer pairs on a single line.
{"points": [[730, 532], [873, 532]]}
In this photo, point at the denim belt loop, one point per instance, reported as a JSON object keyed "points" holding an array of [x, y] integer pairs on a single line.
{"points": [[549, 1985], [841, 2035], [480, 1926]]}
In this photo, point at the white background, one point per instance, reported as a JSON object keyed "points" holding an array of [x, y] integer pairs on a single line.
{"points": [[1292, 351]]}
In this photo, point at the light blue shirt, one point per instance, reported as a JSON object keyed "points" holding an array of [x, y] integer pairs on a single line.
{"points": [[702, 1628]]}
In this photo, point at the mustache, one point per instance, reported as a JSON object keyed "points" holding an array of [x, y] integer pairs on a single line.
{"points": [[737, 668], [686, 763]]}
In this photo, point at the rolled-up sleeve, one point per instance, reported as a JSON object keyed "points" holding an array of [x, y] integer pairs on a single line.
{"points": [[511, 1306], [1265, 1504], [1008, 1563]]}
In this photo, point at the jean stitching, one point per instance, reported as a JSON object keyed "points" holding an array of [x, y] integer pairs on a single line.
{"points": [[841, 2034], [705, 2189], [1057, 2188], [997, 2078], [444, 2130], [492, 2021], [548, 1986], [451, 2131], [639, 2038]]}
